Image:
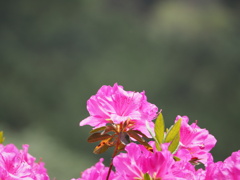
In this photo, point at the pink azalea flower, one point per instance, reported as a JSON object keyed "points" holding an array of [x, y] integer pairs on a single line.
{"points": [[227, 170], [232, 165], [115, 105], [213, 171], [138, 161], [183, 170], [18, 164], [196, 141], [96, 172]]}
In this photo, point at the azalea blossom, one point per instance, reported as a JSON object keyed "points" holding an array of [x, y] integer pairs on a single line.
{"points": [[115, 105], [19, 164], [227, 170], [139, 161], [183, 170], [96, 172], [194, 141]]}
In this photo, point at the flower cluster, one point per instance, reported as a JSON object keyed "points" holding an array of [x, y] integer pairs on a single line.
{"points": [[18, 164], [123, 120], [143, 150]]}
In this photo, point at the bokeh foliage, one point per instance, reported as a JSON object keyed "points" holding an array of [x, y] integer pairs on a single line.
{"points": [[56, 54]]}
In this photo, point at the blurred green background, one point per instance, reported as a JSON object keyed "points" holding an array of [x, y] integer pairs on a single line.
{"points": [[55, 54]]}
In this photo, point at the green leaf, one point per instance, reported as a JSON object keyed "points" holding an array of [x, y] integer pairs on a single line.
{"points": [[108, 129], [134, 135], [97, 137], [152, 134], [159, 128], [146, 176], [101, 148], [1, 137], [121, 147], [174, 144], [140, 133], [98, 129], [147, 146], [176, 158], [173, 131], [150, 130]]}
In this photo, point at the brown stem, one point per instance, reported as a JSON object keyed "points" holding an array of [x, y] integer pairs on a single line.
{"points": [[114, 154], [109, 170]]}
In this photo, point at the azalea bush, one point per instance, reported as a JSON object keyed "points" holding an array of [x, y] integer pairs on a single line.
{"points": [[142, 149]]}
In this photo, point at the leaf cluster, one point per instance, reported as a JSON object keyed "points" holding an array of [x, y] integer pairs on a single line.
{"points": [[171, 135], [117, 136], [120, 135]]}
